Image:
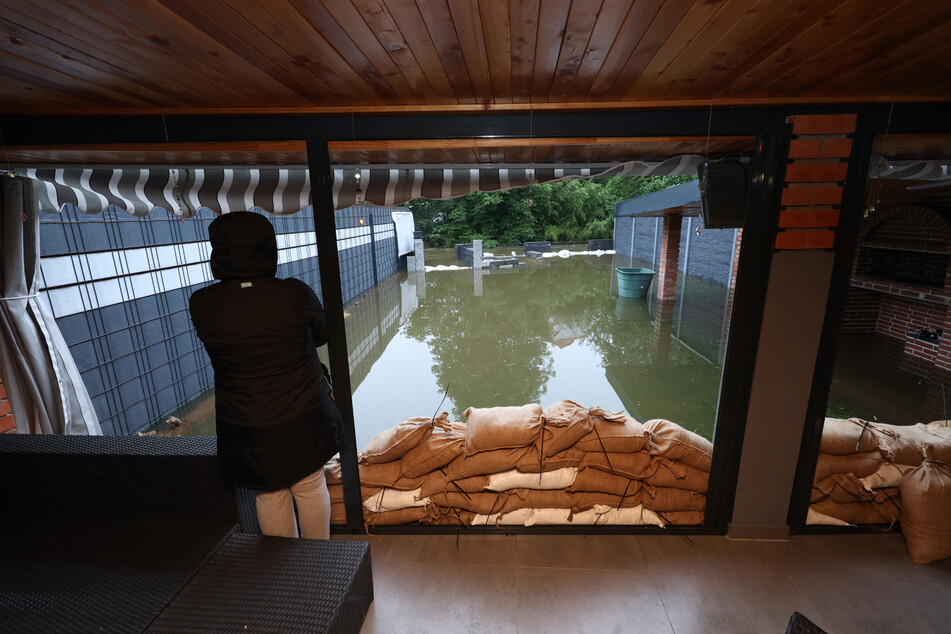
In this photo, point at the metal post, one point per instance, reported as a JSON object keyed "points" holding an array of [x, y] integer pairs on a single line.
{"points": [[318, 163]]}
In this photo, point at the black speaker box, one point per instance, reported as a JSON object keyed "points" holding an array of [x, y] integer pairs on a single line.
{"points": [[723, 188]]}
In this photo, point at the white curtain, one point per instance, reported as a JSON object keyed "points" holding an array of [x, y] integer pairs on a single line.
{"points": [[46, 392]]}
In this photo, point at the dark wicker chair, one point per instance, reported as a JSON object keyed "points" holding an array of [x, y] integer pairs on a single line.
{"points": [[132, 534]]}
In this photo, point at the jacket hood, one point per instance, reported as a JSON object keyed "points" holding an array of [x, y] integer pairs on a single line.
{"points": [[243, 246]]}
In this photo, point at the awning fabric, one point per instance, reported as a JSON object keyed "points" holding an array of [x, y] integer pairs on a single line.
{"points": [[184, 192]]}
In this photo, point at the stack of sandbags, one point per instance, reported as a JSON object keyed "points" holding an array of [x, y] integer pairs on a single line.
{"points": [[861, 465], [926, 525], [521, 465]]}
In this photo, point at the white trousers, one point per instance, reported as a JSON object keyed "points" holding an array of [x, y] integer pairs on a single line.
{"points": [[276, 509]]}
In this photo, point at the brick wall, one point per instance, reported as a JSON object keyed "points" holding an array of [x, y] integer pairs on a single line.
{"points": [[669, 258], [861, 311], [7, 424]]}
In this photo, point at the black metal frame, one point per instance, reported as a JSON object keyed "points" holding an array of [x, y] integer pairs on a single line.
{"points": [[766, 124]]}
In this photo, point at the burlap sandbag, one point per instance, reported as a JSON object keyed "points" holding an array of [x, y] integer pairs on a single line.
{"points": [[886, 512], [532, 462], [452, 517], [814, 517], [338, 513], [926, 510], [672, 441], [599, 481], [585, 501], [682, 518], [440, 448], [412, 515], [515, 499], [841, 436], [484, 463], [903, 445], [565, 423], [483, 503], [668, 473], [438, 482], [631, 465], [888, 475], [664, 499], [614, 433], [387, 474], [860, 465], [336, 492], [493, 428], [841, 488], [393, 443]]}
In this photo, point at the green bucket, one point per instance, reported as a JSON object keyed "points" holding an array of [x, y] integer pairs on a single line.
{"points": [[633, 282]]}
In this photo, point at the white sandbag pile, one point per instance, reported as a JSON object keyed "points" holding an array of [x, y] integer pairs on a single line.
{"points": [[524, 466], [873, 473]]}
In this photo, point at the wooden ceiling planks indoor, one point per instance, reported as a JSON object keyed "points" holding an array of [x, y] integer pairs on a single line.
{"points": [[65, 56]]}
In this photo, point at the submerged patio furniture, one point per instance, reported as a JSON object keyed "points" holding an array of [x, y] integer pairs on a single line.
{"points": [[141, 534]]}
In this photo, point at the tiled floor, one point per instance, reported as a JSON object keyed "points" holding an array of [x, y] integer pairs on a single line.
{"points": [[612, 583]]}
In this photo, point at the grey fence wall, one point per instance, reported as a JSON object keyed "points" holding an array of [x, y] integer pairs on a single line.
{"points": [[708, 256], [119, 288]]}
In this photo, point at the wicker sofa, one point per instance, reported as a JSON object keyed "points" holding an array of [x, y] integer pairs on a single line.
{"points": [[131, 534]]}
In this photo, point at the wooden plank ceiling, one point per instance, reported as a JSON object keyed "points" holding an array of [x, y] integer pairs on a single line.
{"points": [[386, 56]]}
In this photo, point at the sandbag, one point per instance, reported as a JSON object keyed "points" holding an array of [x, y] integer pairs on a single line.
{"points": [[412, 515], [888, 475], [493, 428], [682, 518], [632, 465], [332, 472], [393, 443], [338, 513], [514, 479], [393, 500], [926, 509], [842, 488], [438, 482], [663, 499], [614, 433], [387, 474], [452, 517], [437, 450], [515, 499], [903, 445], [336, 492], [484, 503], [672, 441], [565, 423], [532, 461], [814, 517], [861, 465], [841, 436], [485, 462], [667, 473], [599, 481], [886, 511]]}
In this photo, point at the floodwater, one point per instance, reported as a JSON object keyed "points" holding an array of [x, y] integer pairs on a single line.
{"points": [[547, 330]]}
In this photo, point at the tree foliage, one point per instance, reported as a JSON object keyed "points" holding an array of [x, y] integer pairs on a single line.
{"points": [[569, 211]]}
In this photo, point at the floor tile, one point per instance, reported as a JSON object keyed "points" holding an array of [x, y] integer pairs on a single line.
{"points": [[730, 603], [442, 599], [588, 601], [379, 547], [485, 550], [590, 552], [846, 557], [707, 554], [878, 605]]}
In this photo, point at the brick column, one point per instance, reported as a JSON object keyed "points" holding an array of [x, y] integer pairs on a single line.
{"points": [[663, 328], [812, 195], [732, 293], [669, 258], [7, 424]]}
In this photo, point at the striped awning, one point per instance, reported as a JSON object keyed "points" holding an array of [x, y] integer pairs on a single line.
{"points": [[184, 192]]}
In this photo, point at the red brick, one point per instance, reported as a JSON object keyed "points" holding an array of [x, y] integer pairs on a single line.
{"points": [[816, 172], [820, 239], [827, 196], [797, 196], [790, 240], [804, 148], [807, 218], [4, 408], [836, 148], [7, 424], [824, 123]]}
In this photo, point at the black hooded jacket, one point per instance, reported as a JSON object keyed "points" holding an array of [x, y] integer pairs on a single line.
{"points": [[275, 415]]}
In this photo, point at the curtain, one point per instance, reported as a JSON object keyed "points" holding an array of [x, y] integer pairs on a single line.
{"points": [[45, 390]]}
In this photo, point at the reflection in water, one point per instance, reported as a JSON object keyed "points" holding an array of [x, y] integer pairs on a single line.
{"points": [[546, 331]]}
